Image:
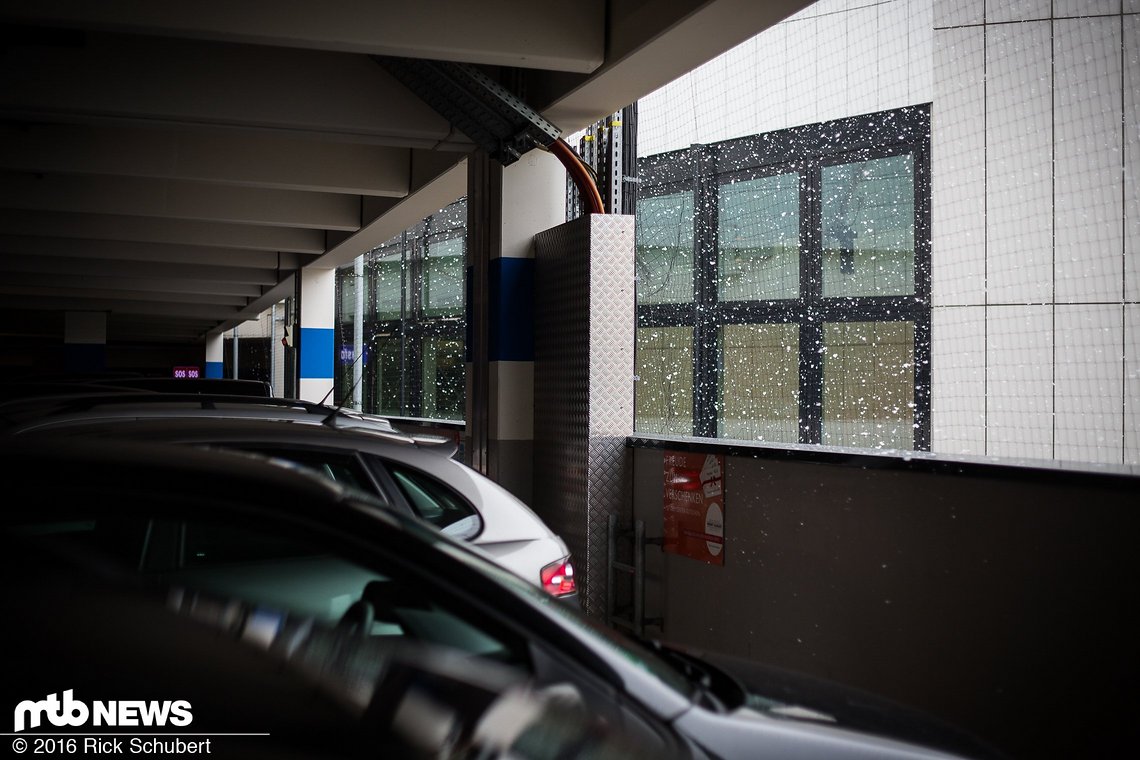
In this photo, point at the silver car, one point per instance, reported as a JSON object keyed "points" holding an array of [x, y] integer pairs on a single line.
{"points": [[416, 474], [60, 404]]}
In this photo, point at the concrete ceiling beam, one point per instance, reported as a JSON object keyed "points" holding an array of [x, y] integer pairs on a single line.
{"points": [[157, 230], [127, 80], [109, 250], [130, 196], [518, 33], [223, 157], [59, 265]]}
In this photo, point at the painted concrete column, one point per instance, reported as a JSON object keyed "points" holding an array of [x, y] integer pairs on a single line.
{"points": [[85, 341], [318, 314], [520, 201], [215, 354]]}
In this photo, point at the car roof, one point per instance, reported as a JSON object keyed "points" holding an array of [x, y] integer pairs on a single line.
{"points": [[190, 428], [230, 385], [77, 399], [39, 467], [504, 516], [25, 414]]}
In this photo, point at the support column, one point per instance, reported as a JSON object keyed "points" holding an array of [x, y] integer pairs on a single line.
{"points": [[506, 208], [215, 354], [583, 389], [85, 342], [358, 334], [315, 344]]}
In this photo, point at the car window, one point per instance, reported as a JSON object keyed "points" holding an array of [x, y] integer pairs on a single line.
{"points": [[436, 503], [268, 568], [116, 539], [290, 573], [206, 544], [390, 697], [336, 466]]}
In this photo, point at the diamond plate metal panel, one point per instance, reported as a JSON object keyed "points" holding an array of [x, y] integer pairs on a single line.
{"points": [[561, 383], [584, 339], [612, 323]]}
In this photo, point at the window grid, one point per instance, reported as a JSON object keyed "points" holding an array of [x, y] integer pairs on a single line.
{"points": [[414, 327], [806, 152]]}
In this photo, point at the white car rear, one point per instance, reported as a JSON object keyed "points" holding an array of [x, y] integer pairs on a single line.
{"points": [[416, 473]]}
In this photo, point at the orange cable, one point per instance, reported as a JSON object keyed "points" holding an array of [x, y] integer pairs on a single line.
{"points": [[582, 179]]}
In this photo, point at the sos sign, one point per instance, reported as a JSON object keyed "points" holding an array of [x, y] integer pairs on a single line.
{"points": [[190, 373]]}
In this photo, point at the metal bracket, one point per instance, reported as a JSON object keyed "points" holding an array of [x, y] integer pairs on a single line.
{"points": [[478, 106]]}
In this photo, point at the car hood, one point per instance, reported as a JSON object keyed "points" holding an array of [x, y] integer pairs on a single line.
{"points": [[798, 696]]}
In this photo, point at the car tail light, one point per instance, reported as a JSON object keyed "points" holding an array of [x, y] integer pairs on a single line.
{"points": [[558, 577]]}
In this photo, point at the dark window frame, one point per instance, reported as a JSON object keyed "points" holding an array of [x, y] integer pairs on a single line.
{"points": [[803, 151], [414, 326]]}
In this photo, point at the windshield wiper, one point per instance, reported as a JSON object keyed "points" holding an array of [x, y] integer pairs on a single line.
{"points": [[695, 671]]}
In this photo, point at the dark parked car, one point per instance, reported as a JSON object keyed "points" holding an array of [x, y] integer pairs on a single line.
{"points": [[87, 634], [288, 550]]}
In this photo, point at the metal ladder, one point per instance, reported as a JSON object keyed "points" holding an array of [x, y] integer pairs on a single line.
{"points": [[637, 622]]}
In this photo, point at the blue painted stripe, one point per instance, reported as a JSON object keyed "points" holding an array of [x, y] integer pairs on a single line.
{"points": [[316, 353], [511, 306], [213, 369]]}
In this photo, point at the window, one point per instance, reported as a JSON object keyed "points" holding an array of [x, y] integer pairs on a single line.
{"points": [[783, 286], [207, 544], [337, 466], [434, 502], [274, 569], [413, 321]]}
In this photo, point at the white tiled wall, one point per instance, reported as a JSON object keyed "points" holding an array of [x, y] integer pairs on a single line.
{"points": [[710, 96], [1087, 194], [804, 54], [1019, 152], [1019, 381], [998, 11], [920, 38], [1073, 8], [892, 31], [771, 77], [1058, 232], [863, 71], [958, 168], [739, 88], [832, 100], [1131, 376], [958, 12], [833, 59], [1089, 386], [828, 7], [958, 380], [1131, 25]]}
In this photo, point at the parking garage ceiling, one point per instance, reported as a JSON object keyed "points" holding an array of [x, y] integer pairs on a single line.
{"points": [[174, 164]]}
